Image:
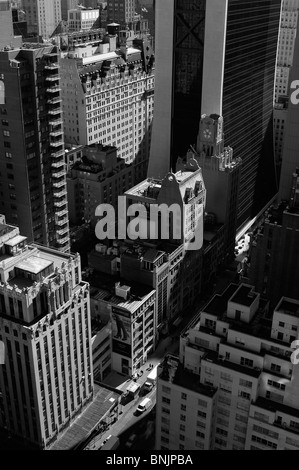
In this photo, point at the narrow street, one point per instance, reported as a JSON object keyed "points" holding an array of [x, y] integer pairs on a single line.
{"points": [[142, 428]]}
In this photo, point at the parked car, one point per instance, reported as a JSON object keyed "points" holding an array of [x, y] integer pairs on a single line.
{"points": [[143, 406]]}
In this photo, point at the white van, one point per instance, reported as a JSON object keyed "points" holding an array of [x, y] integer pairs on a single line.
{"points": [[144, 405]]}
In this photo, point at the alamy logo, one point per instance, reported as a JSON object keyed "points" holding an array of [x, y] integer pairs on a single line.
{"points": [[295, 94], [2, 353], [295, 354], [155, 222]]}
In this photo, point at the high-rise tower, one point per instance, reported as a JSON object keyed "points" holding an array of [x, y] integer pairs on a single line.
{"points": [[290, 158], [218, 57], [33, 176], [43, 16], [47, 378]]}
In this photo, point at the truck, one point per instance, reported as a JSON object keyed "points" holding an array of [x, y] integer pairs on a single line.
{"points": [[151, 380], [133, 389], [111, 444]]}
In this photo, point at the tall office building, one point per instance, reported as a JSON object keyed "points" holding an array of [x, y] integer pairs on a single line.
{"points": [[274, 263], [204, 52], [43, 16], [67, 5], [290, 159], [221, 174], [112, 97], [233, 386], [7, 36], [98, 178], [121, 11], [45, 325], [33, 177]]}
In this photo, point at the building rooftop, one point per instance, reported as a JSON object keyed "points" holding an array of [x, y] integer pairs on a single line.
{"points": [[104, 400], [218, 305], [275, 406], [103, 288], [213, 357], [15, 240], [288, 306], [171, 370], [4, 229], [244, 296], [34, 264]]}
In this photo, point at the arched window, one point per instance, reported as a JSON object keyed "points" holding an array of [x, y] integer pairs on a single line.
{"points": [[2, 92]]}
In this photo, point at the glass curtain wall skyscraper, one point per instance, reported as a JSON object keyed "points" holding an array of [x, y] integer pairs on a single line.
{"points": [[218, 57], [248, 93]]}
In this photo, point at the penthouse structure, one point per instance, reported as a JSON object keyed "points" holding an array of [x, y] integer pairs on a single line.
{"points": [[233, 387], [47, 378], [33, 176], [112, 97], [83, 19]]}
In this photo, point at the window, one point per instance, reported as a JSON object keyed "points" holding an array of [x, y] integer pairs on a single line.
{"points": [[184, 396], [202, 403], [183, 417], [182, 427], [220, 442], [264, 442], [223, 412], [278, 385], [165, 400], [242, 418], [246, 362], [221, 431], [182, 438], [275, 367], [200, 434], [200, 424], [294, 425], [245, 395], [245, 383], [201, 413]]}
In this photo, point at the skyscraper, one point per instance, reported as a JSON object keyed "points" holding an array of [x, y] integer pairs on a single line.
{"points": [[121, 11], [218, 57], [67, 5], [274, 263], [290, 158], [45, 325], [7, 37], [33, 176], [112, 98], [43, 16]]}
